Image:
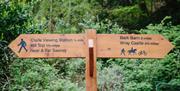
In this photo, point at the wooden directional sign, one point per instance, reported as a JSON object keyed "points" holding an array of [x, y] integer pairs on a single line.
{"points": [[132, 46], [91, 46], [49, 45], [108, 45]]}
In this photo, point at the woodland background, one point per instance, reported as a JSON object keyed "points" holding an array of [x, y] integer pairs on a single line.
{"points": [[74, 16]]}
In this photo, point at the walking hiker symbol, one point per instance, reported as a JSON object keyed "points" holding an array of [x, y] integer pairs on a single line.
{"points": [[22, 44], [123, 51]]}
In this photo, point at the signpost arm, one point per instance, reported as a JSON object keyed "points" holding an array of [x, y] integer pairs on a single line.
{"points": [[91, 78]]}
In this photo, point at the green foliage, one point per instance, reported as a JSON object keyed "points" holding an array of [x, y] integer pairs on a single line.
{"points": [[145, 74], [156, 72], [129, 17], [110, 78], [71, 69], [6, 59], [61, 14], [114, 3], [166, 29], [14, 21], [35, 74], [74, 16], [106, 26], [14, 18]]}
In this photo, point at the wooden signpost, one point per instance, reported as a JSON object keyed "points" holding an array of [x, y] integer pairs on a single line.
{"points": [[49, 45], [132, 46], [90, 46]]}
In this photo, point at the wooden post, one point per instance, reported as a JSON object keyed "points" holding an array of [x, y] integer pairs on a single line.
{"points": [[91, 78]]}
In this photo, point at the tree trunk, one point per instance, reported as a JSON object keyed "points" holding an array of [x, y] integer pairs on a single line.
{"points": [[143, 7]]}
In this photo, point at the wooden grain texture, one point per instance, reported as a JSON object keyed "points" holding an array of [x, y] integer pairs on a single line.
{"points": [[108, 46], [50, 45], [132, 46], [91, 78]]}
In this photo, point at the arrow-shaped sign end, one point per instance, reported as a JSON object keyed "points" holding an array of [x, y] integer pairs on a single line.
{"points": [[168, 47]]}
